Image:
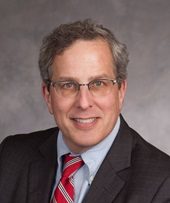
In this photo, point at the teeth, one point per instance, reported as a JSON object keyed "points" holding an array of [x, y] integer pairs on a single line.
{"points": [[87, 120]]}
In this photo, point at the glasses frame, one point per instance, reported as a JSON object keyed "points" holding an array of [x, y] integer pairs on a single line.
{"points": [[78, 85]]}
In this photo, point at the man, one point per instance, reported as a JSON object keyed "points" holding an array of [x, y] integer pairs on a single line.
{"points": [[83, 69]]}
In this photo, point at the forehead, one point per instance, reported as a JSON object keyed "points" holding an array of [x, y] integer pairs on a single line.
{"points": [[84, 58]]}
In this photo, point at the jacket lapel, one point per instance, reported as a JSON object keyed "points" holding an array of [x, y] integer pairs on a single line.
{"points": [[42, 171], [114, 171]]}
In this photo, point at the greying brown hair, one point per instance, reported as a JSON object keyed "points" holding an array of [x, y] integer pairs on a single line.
{"points": [[66, 34]]}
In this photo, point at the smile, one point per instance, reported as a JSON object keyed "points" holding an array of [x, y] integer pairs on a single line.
{"points": [[85, 123], [85, 120]]}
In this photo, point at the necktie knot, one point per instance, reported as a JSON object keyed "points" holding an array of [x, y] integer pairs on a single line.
{"points": [[71, 165]]}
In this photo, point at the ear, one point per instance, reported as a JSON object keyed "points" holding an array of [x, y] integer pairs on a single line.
{"points": [[47, 96], [122, 92]]}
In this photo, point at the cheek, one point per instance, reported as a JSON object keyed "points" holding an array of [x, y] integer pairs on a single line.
{"points": [[110, 104], [61, 108]]}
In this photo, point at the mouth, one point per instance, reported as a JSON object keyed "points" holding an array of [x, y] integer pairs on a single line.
{"points": [[84, 120], [85, 123]]}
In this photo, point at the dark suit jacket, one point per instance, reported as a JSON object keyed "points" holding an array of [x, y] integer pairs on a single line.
{"points": [[132, 172]]}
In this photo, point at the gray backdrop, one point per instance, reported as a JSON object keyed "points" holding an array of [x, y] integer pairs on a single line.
{"points": [[143, 25]]}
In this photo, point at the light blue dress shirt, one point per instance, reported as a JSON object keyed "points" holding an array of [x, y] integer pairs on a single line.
{"points": [[92, 159]]}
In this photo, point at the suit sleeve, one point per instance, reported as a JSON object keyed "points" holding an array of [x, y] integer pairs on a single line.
{"points": [[13, 175]]}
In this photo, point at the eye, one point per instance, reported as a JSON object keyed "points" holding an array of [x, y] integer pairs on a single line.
{"points": [[98, 83], [68, 85]]}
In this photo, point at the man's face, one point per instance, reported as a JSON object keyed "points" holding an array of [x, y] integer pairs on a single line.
{"points": [[85, 120]]}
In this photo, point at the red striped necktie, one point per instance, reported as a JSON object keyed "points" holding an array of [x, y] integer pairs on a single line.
{"points": [[64, 192]]}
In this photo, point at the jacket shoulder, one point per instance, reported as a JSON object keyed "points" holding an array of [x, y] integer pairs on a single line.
{"points": [[146, 156], [24, 146]]}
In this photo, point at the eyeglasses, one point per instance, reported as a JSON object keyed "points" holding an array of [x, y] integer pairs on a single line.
{"points": [[71, 88]]}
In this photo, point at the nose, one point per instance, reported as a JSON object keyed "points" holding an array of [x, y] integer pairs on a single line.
{"points": [[84, 98]]}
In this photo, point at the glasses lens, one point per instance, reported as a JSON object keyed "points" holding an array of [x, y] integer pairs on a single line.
{"points": [[66, 88], [101, 87]]}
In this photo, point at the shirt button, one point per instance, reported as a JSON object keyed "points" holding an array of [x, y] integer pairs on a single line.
{"points": [[91, 179]]}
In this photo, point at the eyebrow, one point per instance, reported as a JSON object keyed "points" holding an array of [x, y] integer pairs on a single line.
{"points": [[68, 78], [99, 76]]}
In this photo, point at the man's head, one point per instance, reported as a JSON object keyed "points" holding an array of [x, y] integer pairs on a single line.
{"points": [[66, 34], [83, 68]]}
